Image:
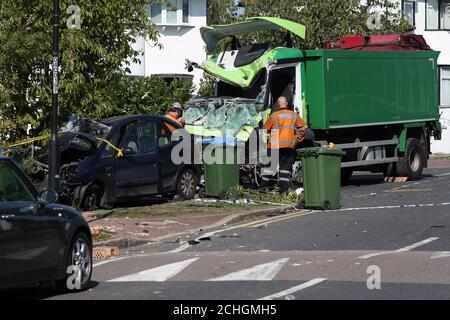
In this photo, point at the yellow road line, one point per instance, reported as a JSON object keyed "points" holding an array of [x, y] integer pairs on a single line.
{"points": [[265, 222]]}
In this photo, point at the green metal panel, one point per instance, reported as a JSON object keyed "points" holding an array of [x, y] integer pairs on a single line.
{"points": [[357, 88]]}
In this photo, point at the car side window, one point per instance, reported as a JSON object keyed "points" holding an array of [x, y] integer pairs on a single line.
{"points": [[130, 137], [165, 135], [109, 152], [148, 136], [12, 187]]}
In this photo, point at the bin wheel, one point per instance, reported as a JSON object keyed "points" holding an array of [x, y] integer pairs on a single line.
{"points": [[326, 205], [202, 193], [223, 195], [301, 204]]}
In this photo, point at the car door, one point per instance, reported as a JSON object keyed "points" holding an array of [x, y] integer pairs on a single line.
{"points": [[33, 237], [168, 169], [137, 172]]}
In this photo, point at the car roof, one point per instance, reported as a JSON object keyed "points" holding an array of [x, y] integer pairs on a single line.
{"points": [[121, 119]]}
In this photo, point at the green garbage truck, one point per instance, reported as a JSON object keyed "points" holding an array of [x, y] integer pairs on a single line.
{"points": [[380, 107]]}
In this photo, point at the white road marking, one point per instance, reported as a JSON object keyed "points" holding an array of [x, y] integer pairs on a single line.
{"points": [[158, 274], [294, 289], [405, 249], [441, 255], [262, 272], [407, 206], [98, 264]]}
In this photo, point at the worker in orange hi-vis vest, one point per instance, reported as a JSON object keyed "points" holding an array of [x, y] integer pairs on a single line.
{"points": [[175, 114], [286, 130]]}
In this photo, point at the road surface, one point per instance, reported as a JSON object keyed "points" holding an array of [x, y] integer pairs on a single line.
{"points": [[390, 241]]}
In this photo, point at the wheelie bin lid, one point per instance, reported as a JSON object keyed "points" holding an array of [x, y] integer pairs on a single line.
{"points": [[316, 151]]}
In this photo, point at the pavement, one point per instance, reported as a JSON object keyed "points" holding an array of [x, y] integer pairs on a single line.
{"points": [[389, 241]]}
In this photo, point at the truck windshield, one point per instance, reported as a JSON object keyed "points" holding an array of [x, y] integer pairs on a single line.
{"points": [[255, 92]]}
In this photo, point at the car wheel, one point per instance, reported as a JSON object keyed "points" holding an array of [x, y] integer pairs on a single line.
{"points": [[92, 197], [411, 165], [78, 265], [187, 184]]}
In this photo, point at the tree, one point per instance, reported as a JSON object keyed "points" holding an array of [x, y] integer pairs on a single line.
{"points": [[94, 60], [324, 19]]}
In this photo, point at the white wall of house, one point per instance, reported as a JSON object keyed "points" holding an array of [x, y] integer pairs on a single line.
{"points": [[180, 37], [432, 20]]}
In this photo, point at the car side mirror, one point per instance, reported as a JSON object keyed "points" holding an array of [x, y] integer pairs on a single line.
{"points": [[47, 197], [128, 151]]}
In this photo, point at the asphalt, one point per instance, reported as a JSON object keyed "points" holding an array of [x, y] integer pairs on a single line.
{"points": [[400, 230]]}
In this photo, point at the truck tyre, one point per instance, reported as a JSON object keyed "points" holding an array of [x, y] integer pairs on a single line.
{"points": [[411, 165]]}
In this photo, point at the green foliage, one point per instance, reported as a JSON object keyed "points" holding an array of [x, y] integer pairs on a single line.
{"points": [[92, 60], [206, 87], [324, 19], [152, 95]]}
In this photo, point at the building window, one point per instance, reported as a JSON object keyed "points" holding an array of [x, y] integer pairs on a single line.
{"points": [[409, 9], [174, 12], [156, 13], [185, 11], [438, 14], [445, 86]]}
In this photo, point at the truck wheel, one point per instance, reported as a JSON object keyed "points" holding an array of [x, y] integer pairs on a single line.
{"points": [[187, 184], [411, 165]]}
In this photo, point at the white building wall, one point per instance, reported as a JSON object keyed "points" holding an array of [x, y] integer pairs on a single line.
{"points": [[180, 42]]}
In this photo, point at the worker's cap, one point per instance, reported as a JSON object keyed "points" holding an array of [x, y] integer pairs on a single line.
{"points": [[177, 106]]}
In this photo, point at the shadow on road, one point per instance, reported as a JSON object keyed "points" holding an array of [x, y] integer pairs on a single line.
{"points": [[39, 292]]}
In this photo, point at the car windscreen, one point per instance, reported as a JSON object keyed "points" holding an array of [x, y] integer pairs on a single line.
{"points": [[13, 188]]}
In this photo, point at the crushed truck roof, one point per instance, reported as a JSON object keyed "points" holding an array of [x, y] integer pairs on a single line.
{"points": [[213, 34]]}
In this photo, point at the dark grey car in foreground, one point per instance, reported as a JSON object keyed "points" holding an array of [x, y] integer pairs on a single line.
{"points": [[39, 239]]}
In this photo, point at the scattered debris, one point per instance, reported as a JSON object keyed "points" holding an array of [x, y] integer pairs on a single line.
{"points": [[205, 239], [193, 242], [101, 253], [396, 179]]}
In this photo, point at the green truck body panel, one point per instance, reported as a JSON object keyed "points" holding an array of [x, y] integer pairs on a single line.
{"points": [[361, 88]]}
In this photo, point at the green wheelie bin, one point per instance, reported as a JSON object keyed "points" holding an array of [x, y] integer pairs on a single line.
{"points": [[321, 168], [221, 171]]}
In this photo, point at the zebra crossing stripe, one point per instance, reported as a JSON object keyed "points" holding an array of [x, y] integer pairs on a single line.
{"points": [[262, 272], [294, 289], [158, 274]]}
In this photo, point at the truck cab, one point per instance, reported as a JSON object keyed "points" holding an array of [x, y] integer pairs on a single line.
{"points": [[379, 104]]}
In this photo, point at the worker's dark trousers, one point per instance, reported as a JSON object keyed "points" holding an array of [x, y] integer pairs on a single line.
{"points": [[286, 160]]}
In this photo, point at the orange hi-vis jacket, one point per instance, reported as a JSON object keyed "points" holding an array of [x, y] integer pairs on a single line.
{"points": [[286, 129], [170, 117]]}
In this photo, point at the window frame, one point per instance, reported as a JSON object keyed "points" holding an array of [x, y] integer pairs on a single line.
{"points": [[143, 122], [414, 9], [441, 67], [24, 180], [439, 17], [179, 13]]}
